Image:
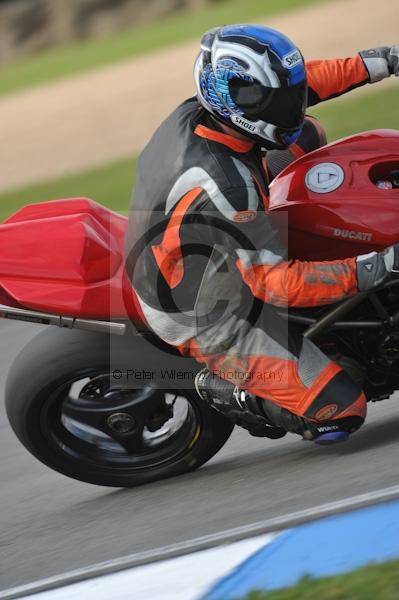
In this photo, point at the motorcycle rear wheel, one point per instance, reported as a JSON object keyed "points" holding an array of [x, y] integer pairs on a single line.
{"points": [[60, 371]]}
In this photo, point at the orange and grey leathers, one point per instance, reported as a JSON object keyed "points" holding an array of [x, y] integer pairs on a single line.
{"points": [[208, 266]]}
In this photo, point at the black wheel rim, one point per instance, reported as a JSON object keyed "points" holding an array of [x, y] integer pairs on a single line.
{"points": [[96, 448]]}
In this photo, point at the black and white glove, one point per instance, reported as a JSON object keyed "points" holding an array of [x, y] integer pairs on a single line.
{"points": [[372, 269], [381, 62]]}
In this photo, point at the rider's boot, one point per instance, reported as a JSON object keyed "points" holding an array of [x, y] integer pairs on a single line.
{"points": [[236, 404], [264, 418], [321, 433]]}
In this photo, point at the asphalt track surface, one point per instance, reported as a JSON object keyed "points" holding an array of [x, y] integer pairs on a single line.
{"points": [[50, 524]]}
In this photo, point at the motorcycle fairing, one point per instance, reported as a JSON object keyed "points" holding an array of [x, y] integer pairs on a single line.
{"points": [[66, 257], [355, 216]]}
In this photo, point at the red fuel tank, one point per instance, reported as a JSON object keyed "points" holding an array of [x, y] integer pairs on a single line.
{"points": [[327, 204]]}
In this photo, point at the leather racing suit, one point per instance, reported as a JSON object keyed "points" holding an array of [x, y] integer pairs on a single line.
{"points": [[208, 266]]}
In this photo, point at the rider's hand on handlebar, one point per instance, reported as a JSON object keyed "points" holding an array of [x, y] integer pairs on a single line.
{"points": [[391, 259], [393, 61], [381, 62], [374, 268]]}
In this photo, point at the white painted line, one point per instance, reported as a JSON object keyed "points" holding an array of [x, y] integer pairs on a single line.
{"points": [[228, 536], [184, 578]]}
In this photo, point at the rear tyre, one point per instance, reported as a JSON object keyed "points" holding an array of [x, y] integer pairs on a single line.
{"points": [[60, 371]]}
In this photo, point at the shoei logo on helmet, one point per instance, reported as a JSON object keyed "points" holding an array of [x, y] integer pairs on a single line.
{"points": [[292, 59], [243, 123]]}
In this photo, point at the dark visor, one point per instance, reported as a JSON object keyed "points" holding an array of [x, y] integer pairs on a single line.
{"points": [[283, 107]]}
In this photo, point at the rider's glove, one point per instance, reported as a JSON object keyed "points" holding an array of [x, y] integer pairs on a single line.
{"points": [[372, 269], [381, 62]]}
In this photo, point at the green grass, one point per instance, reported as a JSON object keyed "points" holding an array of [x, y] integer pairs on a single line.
{"points": [[112, 184], [72, 58], [374, 582], [353, 113]]}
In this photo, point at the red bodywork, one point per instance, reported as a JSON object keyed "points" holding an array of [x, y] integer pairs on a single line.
{"points": [[353, 219], [67, 256]]}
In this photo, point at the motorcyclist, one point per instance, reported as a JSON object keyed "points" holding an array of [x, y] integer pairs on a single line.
{"points": [[205, 259]]}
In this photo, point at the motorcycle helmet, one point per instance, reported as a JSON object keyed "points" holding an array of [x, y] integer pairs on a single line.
{"points": [[253, 79]]}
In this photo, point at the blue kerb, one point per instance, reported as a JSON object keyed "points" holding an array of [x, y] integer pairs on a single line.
{"points": [[326, 547]]}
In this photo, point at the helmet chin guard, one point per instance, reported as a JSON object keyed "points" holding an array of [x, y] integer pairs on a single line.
{"points": [[253, 79]]}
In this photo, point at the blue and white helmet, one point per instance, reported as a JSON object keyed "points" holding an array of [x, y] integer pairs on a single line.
{"points": [[253, 79]]}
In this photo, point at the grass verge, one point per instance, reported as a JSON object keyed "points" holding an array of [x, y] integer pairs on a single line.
{"points": [[111, 185], [374, 582], [69, 59]]}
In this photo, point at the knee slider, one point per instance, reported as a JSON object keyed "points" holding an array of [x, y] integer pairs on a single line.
{"points": [[349, 424], [340, 398]]}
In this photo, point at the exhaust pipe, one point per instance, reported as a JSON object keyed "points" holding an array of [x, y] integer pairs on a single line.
{"points": [[22, 314]]}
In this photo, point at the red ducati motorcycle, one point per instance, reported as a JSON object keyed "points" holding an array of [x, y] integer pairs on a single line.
{"points": [[92, 398]]}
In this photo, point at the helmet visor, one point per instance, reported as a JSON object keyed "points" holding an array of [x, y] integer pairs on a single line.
{"points": [[283, 107]]}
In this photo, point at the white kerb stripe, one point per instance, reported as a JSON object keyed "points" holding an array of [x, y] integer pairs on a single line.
{"points": [[222, 537]]}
